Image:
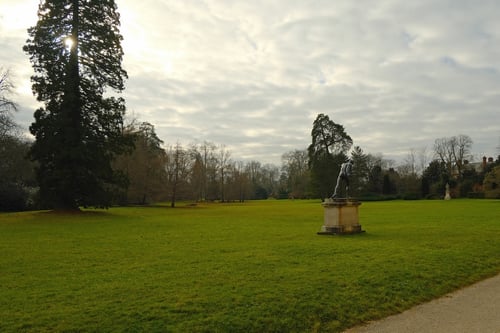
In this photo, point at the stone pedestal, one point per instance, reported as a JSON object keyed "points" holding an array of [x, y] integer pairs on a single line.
{"points": [[341, 217]]}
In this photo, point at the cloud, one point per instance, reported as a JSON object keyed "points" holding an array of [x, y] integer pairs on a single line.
{"points": [[253, 75]]}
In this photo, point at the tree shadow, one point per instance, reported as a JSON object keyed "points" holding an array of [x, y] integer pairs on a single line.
{"points": [[74, 212]]}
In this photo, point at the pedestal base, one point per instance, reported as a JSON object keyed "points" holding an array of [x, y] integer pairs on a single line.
{"points": [[341, 217]]}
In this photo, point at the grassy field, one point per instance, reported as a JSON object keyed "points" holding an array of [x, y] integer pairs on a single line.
{"points": [[252, 267]]}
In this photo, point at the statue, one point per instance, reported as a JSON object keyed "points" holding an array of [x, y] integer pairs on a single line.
{"points": [[447, 193], [344, 174], [341, 214]]}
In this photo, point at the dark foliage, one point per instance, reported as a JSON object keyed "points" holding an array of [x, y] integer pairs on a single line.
{"points": [[330, 144], [78, 131]]}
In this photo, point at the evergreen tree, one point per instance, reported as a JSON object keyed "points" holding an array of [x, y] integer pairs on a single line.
{"points": [[75, 50], [375, 180], [330, 144], [360, 172], [434, 178], [491, 183]]}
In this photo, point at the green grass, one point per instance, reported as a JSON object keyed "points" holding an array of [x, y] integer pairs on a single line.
{"points": [[252, 267]]}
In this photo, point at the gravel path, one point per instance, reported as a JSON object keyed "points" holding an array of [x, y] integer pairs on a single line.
{"points": [[473, 309]]}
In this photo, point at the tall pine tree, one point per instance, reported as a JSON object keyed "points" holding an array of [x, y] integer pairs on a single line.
{"points": [[75, 49]]}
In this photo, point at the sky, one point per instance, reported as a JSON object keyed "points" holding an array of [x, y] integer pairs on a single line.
{"points": [[253, 75]]}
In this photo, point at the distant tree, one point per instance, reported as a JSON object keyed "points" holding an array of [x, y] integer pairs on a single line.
{"points": [[295, 175], [143, 165], [253, 170], [204, 169], [17, 179], [391, 179], [263, 180], [436, 172], [330, 144], [410, 183], [178, 168], [425, 187], [453, 151], [443, 152], [360, 171], [7, 106], [470, 181], [76, 54], [462, 152], [197, 178], [16, 172], [434, 179], [423, 160], [270, 179], [375, 174], [224, 161], [238, 184], [491, 183], [410, 163], [375, 179]]}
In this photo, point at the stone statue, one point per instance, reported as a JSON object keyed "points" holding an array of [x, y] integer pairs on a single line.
{"points": [[344, 174], [447, 193]]}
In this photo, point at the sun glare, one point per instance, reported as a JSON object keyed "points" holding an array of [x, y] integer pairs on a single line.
{"points": [[68, 42]]}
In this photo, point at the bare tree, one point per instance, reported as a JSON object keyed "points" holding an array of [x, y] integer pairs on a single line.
{"points": [[423, 160], [223, 162], [443, 151], [7, 106], [143, 165], [411, 162], [416, 161], [204, 162], [295, 173], [178, 167], [408, 181], [241, 181], [270, 179], [453, 151], [462, 151]]}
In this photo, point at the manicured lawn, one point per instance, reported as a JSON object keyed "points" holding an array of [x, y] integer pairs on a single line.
{"points": [[252, 267]]}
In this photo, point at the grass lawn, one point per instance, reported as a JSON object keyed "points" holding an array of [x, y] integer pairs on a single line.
{"points": [[252, 267]]}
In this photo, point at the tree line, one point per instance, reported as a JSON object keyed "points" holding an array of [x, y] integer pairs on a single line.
{"points": [[85, 154], [17, 181], [199, 172], [157, 172]]}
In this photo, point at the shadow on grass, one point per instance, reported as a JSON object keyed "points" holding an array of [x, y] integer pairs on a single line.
{"points": [[74, 212], [165, 206]]}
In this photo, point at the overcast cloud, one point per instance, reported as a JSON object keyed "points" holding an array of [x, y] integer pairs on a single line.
{"points": [[253, 75]]}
